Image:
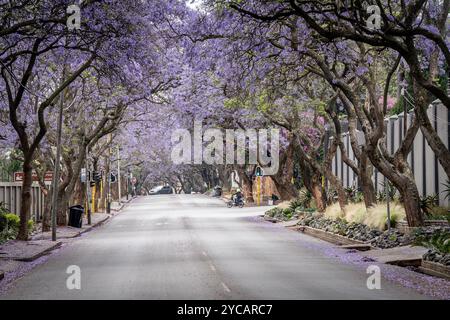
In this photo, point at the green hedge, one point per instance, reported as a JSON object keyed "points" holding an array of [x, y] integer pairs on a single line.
{"points": [[9, 226]]}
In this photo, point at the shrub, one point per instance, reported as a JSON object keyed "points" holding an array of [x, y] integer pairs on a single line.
{"points": [[439, 213], [280, 214], [288, 213], [12, 220], [377, 215], [271, 212], [3, 208], [355, 212], [359, 197], [30, 226], [351, 192], [334, 211], [9, 226], [331, 196], [438, 241], [296, 203], [447, 190], [303, 200], [381, 195], [374, 217], [2, 221], [428, 203]]}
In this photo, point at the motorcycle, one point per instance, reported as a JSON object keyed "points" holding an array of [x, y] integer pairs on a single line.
{"points": [[233, 203]]}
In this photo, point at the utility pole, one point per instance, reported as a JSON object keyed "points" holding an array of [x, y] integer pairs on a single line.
{"points": [[108, 176], [118, 175], [57, 161], [386, 188], [128, 182], [88, 187]]}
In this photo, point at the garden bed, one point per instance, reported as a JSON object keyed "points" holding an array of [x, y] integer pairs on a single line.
{"points": [[402, 226]]}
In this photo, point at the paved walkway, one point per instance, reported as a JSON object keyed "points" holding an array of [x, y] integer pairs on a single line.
{"points": [[405, 253]]}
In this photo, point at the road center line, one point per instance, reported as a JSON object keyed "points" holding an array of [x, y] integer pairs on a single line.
{"points": [[225, 287]]}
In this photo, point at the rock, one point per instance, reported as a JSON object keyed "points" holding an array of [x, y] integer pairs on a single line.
{"points": [[445, 260]]}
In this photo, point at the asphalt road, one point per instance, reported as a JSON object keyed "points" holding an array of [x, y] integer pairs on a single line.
{"points": [[193, 247]]}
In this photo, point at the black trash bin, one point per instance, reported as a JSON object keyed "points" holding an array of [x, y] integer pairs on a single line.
{"points": [[76, 216], [217, 191]]}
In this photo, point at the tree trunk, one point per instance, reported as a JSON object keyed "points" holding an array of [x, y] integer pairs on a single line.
{"points": [[283, 178], [401, 177], [46, 225], [224, 177], [47, 202], [313, 183], [368, 190], [365, 176], [285, 188], [318, 194], [411, 203], [61, 217], [336, 184], [247, 186], [25, 204]]}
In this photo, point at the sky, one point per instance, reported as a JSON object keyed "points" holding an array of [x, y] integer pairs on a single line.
{"points": [[194, 4]]}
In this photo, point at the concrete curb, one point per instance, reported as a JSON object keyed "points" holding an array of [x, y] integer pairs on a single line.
{"points": [[39, 254], [92, 226], [27, 256], [327, 236], [123, 205]]}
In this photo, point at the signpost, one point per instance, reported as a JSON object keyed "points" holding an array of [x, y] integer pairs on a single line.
{"points": [[88, 187], [119, 187], [48, 177], [259, 173]]}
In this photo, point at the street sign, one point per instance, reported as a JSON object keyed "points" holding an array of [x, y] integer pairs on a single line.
{"points": [[83, 175], [48, 177]]}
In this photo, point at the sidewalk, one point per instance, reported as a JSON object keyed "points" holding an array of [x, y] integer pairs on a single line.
{"points": [[399, 255], [71, 232], [16, 255], [97, 218]]}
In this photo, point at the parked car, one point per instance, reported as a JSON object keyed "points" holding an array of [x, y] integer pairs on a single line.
{"points": [[161, 190]]}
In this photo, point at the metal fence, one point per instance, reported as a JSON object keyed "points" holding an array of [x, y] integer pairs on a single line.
{"points": [[429, 175], [10, 195]]}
